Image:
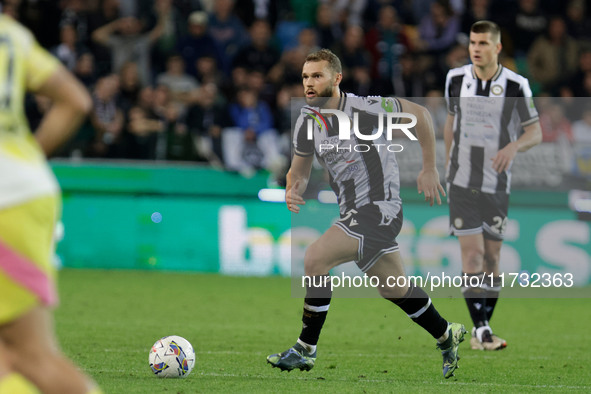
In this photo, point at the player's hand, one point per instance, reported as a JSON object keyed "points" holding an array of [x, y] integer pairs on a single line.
{"points": [[428, 183], [293, 197], [502, 160]]}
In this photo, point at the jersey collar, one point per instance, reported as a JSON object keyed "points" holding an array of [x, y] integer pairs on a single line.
{"points": [[342, 100], [494, 78]]}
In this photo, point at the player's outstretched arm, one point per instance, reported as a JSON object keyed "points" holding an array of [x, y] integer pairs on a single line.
{"points": [[531, 137], [71, 104], [428, 180], [297, 182]]}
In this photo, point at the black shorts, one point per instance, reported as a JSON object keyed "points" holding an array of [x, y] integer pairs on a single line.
{"points": [[376, 232], [474, 212]]}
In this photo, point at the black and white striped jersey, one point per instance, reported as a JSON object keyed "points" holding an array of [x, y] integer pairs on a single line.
{"points": [[488, 116], [361, 171]]}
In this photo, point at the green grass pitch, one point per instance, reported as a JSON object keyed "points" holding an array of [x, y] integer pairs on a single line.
{"points": [[108, 320]]}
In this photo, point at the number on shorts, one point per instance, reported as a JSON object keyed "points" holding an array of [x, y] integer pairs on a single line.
{"points": [[500, 224]]}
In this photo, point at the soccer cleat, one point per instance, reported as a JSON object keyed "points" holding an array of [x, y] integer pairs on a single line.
{"points": [[499, 340], [488, 340], [449, 349], [475, 344], [492, 342], [294, 357]]}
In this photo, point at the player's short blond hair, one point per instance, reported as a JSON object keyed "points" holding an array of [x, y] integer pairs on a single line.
{"points": [[487, 27], [334, 63]]}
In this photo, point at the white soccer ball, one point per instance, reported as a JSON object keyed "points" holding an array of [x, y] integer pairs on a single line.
{"points": [[172, 357]]}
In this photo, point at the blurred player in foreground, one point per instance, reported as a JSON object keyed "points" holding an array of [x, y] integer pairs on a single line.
{"points": [[30, 360], [488, 105], [367, 186]]}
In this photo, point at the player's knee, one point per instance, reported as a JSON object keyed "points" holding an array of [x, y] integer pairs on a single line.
{"points": [[32, 352], [5, 365], [27, 353], [392, 292], [473, 256], [476, 254], [491, 259], [51, 371], [314, 264], [391, 287]]}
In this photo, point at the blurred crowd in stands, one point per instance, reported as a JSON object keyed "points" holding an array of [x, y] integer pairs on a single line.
{"points": [[212, 80]]}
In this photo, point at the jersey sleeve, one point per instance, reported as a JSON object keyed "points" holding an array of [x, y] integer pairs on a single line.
{"points": [[302, 145], [40, 65], [450, 97], [526, 108]]}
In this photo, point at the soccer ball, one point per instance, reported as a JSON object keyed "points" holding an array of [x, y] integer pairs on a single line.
{"points": [[172, 357]]}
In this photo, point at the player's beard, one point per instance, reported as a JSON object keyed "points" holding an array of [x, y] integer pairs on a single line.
{"points": [[321, 97]]}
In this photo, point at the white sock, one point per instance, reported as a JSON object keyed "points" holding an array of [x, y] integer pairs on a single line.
{"points": [[445, 335], [309, 348], [481, 330]]}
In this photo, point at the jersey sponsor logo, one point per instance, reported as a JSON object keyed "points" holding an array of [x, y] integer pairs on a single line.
{"points": [[330, 152], [352, 168], [333, 157]]}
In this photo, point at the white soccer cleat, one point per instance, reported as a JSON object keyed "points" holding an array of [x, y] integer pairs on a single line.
{"points": [[483, 339]]}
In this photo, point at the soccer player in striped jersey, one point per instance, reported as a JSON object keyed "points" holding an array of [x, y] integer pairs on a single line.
{"points": [[488, 107], [367, 186], [30, 360]]}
